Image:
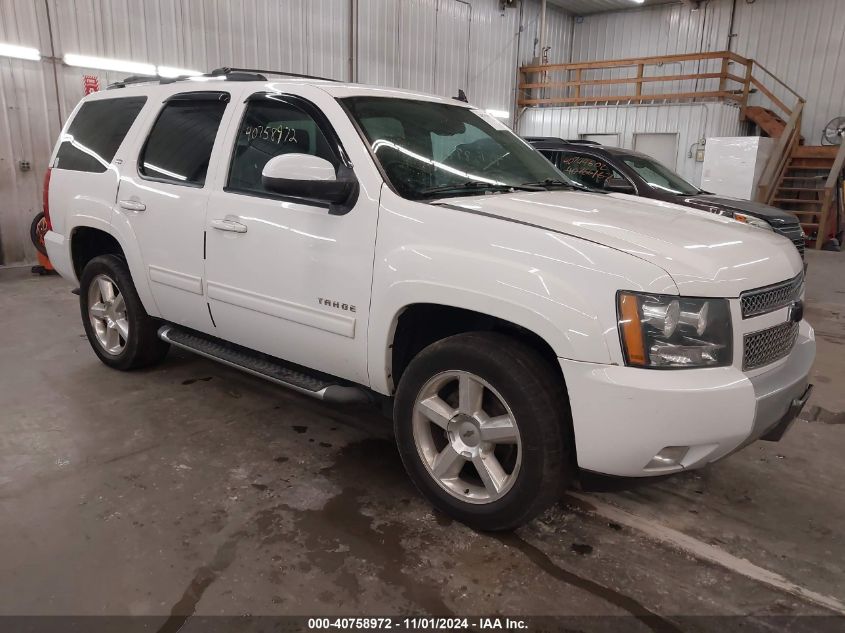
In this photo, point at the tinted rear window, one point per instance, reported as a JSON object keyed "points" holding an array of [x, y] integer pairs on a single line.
{"points": [[96, 133], [179, 146]]}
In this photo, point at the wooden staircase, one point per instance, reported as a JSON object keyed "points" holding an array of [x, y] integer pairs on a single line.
{"points": [[801, 188], [801, 179], [768, 121]]}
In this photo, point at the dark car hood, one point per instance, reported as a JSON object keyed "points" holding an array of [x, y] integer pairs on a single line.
{"points": [[724, 203]]}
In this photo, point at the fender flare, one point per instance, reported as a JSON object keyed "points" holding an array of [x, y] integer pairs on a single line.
{"points": [[406, 294], [131, 252]]}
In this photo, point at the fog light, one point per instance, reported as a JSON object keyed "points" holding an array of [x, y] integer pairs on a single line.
{"points": [[669, 457]]}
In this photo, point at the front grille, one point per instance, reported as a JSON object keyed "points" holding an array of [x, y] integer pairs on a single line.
{"points": [[771, 298], [769, 345]]}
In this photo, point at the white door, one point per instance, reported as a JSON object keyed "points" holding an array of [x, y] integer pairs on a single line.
{"points": [[162, 197], [294, 282], [662, 147]]}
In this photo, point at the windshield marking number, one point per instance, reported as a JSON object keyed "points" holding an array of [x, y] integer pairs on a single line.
{"points": [[278, 135]]}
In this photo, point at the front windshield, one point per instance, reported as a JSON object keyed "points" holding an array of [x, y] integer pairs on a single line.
{"points": [[659, 176], [434, 150]]}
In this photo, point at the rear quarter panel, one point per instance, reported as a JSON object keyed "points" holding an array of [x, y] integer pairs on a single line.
{"points": [[88, 199]]}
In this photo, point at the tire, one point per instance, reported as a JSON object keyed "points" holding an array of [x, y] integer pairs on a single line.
{"points": [[36, 234], [123, 320], [518, 385]]}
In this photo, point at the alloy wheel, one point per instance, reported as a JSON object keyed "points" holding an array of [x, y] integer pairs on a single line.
{"points": [[107, 313], [467, 437]]}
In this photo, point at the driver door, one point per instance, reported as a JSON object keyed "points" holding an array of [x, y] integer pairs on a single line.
{"points": [[285, 277]]}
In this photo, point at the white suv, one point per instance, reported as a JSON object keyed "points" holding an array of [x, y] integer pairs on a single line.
{"points": [[355, 242]]}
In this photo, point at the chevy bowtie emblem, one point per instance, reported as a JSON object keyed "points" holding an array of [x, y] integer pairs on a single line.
{"points": [[796, 311]]}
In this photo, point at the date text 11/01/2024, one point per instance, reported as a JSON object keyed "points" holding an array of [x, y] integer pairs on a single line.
{"points": [[420, 623]]}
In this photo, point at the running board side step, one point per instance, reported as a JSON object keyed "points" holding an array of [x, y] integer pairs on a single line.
{"points": [[316, 385]]}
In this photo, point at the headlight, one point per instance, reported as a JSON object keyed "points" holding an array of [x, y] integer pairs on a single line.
{"points": [[666, 331], [750, 219]]}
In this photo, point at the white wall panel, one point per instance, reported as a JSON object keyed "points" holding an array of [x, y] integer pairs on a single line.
{"points": [[691, 121], [431, 45], [29, 123], [799, 41], [803, 43], [649, 31], [494, 55], [440, 46], [558, 33]]}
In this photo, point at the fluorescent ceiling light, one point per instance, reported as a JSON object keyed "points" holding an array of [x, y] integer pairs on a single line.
{"points": [[637, 1], [21, 52], [499, 114], [104, 63], [170, 71]]}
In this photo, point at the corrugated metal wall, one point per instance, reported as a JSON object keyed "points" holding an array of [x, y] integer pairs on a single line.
{"points": [[659, 30], [558, 33], [800, 42], [28, 125], [432, 45], [690, 121], [803, 43], [440, 46]]}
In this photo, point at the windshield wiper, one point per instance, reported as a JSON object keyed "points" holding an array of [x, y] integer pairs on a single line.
{"points": [[476, 185], [553, 182]]}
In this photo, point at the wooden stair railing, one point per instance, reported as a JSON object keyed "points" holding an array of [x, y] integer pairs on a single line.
{"points": [[808, 188], [575, 80], [778, 160]]}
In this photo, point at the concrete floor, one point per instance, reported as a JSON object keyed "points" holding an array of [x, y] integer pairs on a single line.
{"points": [[193, 488]]}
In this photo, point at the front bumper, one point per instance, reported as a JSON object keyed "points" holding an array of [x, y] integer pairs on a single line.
{"points": [[624, 416]]}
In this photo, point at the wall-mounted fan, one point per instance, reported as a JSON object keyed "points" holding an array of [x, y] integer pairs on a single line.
{"points": [[834, 131]]}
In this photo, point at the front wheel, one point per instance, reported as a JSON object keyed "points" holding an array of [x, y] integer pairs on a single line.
{"points": [[120, 331], [482, 424]]}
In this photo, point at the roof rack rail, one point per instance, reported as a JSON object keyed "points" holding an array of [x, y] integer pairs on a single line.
{"points": [[231, 74], [253, 74], [133, 79]]}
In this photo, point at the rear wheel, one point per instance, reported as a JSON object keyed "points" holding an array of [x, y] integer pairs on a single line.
{"points": [[119, 330], [482, 426]]}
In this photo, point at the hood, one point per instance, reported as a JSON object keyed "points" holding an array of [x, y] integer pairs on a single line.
{"points": [[772, 215], [705, 254]]}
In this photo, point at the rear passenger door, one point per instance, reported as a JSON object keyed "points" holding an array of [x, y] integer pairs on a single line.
{"points": [[162, 199]]}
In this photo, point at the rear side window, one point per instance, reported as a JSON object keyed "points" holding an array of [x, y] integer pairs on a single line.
{"points": [[178, 148], [96, 132]]}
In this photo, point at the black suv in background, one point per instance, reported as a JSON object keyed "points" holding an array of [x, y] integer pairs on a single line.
{"points": [[625, 171]]}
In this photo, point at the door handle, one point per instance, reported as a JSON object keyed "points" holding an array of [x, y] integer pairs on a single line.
{"points": [[132, 205], [228, 225]]}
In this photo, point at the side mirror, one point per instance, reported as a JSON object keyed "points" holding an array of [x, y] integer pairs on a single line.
{"points": [[618, 185], [311, 178]]}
